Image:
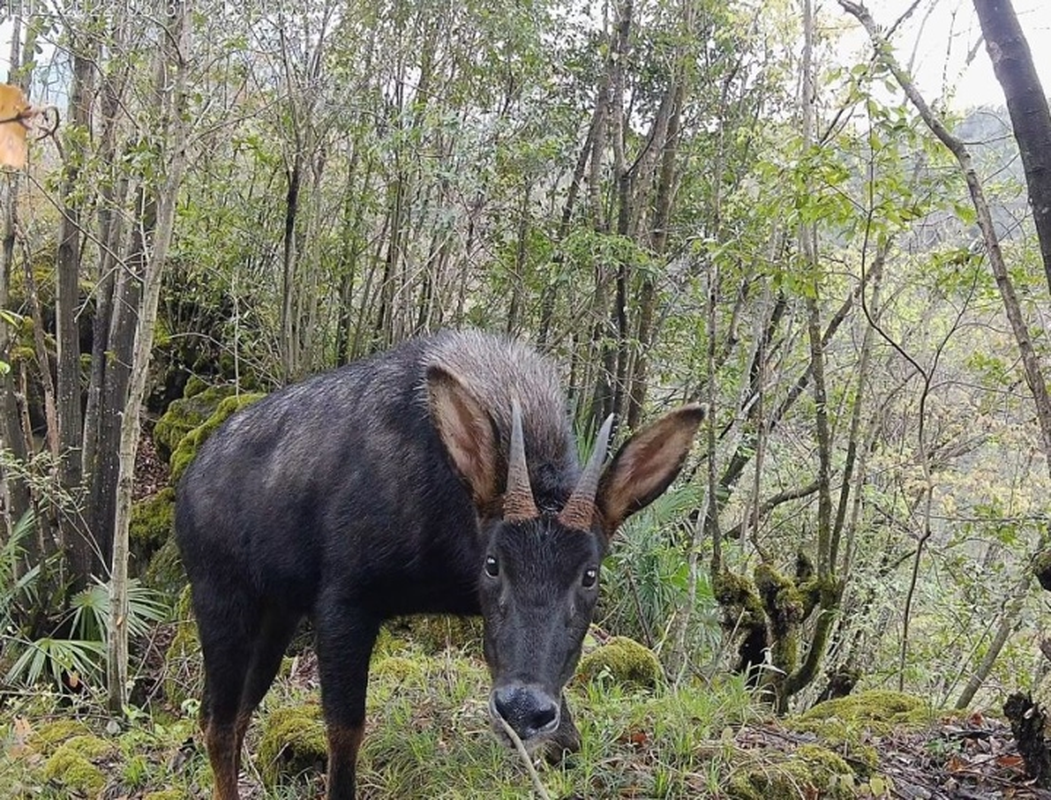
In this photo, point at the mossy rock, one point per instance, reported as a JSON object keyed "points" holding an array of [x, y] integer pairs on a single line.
{"points": [[190, 443], [152, 524], [810, 771], [879, 711], [90, 746], [186, 414], [73, 771], [165, 572], [624, 661], [436, 633], [293, 742], [844, 724], [195, 384], [182, 661], [51, 735]]}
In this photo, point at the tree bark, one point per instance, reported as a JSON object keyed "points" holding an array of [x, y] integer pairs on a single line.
{"points": [[1027, 105], [82, 554]]}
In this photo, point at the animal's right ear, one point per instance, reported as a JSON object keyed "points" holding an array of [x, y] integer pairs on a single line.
{"points": [[468, 433]]}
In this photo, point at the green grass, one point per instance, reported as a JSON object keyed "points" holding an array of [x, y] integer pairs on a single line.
{"points": [[428, 736]]}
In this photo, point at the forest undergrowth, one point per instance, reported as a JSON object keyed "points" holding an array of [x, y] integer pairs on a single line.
{"points": [[429, 736]]}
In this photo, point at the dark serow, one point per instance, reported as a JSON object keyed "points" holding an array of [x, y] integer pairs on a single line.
{"points": [[438, 477]]}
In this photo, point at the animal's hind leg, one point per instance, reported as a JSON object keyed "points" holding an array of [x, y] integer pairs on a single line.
{"points": [[228, 623], [275, 632]]}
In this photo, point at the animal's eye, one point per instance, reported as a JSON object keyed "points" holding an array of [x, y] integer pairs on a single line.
{"points": [[492, 569], [590, 576]]}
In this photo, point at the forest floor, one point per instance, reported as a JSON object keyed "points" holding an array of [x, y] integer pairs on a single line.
{"points": [[428, 737]]}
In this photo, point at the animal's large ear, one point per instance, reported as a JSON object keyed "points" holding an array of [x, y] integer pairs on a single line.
{"points": [[646, 465], [467, 432]]}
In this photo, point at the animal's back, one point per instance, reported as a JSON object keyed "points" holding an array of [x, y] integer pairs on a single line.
{"points": [[342, 479]]}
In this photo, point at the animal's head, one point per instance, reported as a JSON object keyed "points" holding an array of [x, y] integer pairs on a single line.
{"points": [[539, 576]]}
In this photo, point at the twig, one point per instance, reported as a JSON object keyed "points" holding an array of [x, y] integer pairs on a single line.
{"points": [[537, 785]]}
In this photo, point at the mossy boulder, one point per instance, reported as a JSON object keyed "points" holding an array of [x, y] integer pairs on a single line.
{"points": [[165, 572], [74, 772], [48, 737], [623, 661], [845, 724], [293, 742], [186, 414], [71, 765], [878, 711], [810, 771], [190, 443], [152, 524], [182, 676]]}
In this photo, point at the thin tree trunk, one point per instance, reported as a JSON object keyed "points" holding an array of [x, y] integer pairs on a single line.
{"points": [[171, 102], [289, 336], [1027, 105], [829, 599], [81, 552]]}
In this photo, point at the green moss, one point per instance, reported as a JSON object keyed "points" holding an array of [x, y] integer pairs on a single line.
{"points": [[737, 594], [843, 724], [784, 607], [182, 677], [89, 745], [396, 669], [879, 711], [623, 660], [73, 771], [293, 742], [194, 386], [186, 414], [189, 444], [781, 599], [49, 736], [152, 521], [165, 571], [811, 771]]}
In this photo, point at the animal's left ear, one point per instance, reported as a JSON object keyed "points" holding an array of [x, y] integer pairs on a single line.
{"points": [[467, 432], [646, 465]]}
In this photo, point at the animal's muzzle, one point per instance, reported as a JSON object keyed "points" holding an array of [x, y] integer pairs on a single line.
{"points": [[530, 711]]}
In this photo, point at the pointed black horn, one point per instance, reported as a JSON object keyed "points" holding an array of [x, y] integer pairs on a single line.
{"points": [[580, 508], [518, 498]]}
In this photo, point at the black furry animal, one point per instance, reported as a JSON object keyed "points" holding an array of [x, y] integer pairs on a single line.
{"points": [[438, 477]]}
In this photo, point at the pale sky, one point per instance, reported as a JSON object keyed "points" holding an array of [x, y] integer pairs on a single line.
{"points": [[943, 37]]}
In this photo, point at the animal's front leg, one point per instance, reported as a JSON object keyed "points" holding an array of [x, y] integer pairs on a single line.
{"points": [[345, 636]]}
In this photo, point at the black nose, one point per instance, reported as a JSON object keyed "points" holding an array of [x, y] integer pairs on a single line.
{"points": [[528, 711]]}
